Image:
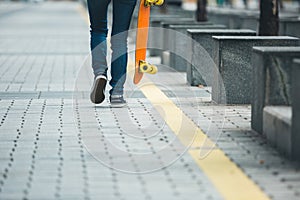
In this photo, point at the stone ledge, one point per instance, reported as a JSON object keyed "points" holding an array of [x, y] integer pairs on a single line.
{"points": [[276, 50]]}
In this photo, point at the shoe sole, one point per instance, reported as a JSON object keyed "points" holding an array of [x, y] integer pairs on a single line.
{"points": [[118, 105], [97, 95]]}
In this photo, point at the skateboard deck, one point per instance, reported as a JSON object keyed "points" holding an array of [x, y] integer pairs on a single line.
{"points": [[141, 66]]}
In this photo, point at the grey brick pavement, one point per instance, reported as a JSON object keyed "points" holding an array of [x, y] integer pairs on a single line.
{"points": [[54, 146]]}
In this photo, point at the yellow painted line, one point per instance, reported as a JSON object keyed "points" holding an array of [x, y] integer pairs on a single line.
{"points": [[229, 179], [226, 176]]}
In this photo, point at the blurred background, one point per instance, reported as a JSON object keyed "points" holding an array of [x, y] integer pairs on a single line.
{"points": [[192, 4]]}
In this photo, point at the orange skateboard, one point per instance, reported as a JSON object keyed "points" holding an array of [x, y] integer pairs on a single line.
{"points": [[141, 66]]}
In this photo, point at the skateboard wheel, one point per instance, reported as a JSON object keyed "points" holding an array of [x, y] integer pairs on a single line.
{"points": [[147, 68], [153, 70], [149, 2], [153, 2], [159, 2]]}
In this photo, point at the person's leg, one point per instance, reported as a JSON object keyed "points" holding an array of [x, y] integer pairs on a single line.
{"points": [[98, 20], [122, 13]]}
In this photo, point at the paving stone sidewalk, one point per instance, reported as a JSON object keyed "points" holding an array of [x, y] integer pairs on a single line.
{"points": [[54, 144]]}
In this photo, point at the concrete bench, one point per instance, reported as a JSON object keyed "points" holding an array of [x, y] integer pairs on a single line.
{"points": [[281, 123], [178, 40], [232, 56], [250, 21], [168, 36], [233, 19], [200, 69], [245, 19], [173, 2], [156, 34], [153, 17], [166, 25], [272, 79], [170, 10], [157, 13], [290, 27], [296, 110]]}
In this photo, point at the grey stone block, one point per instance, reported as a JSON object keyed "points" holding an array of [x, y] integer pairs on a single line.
{"points": [[277, 127], [272, 77], [233, 19], [155, 41], [167, 36], [165, 58], [296, 110], [154, 16], [203, 66], [246, 19], [179, 42], [290, 27], [174, 2], [158, 12], [232, 84], [250, 22]]}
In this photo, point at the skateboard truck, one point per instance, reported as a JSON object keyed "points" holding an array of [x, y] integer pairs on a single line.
{"points": [[145, 67], [153, 2]]}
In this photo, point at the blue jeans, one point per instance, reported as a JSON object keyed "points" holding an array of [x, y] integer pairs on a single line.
{"points": [[122, 13]]}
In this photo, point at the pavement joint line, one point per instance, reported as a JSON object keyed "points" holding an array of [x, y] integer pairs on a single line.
{"points": [[226, 176]]}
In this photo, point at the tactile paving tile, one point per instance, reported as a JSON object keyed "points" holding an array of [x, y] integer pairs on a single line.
{"points": [[251, 152], [43, 154], [67, 44], [230, 128], [110, 131], [34, 73]]}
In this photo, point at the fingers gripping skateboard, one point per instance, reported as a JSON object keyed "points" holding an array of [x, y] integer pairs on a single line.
{"points": [[153, 2], [145, 67]]}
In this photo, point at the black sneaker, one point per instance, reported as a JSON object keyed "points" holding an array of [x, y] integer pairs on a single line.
{"points": [[98, 89], [117, 101]]}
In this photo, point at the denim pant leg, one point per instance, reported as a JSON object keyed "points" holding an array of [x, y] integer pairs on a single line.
{"points": [[98, 20], [122, 13]]}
